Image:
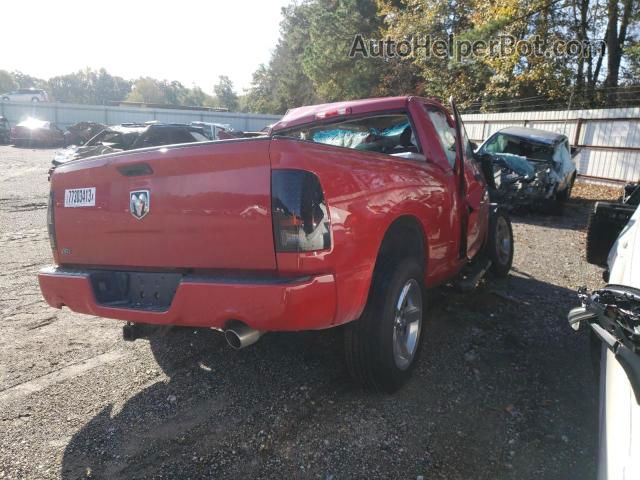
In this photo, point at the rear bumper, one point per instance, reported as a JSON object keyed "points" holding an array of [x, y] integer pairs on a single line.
{"points": [[305, 303]]}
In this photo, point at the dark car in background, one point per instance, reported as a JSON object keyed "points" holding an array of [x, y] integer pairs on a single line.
{"points": [[530, 168], [81, 132], [34, 132], [131, 136], [5, 132]]}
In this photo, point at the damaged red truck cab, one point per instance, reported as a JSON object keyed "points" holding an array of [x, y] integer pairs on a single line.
{"points": [[343, 214]]}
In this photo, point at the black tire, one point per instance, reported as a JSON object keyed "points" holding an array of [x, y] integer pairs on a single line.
{"points": [[496, 250], [35, 100], [565, 194], [5, 99], [369, 341], [602, 232]]}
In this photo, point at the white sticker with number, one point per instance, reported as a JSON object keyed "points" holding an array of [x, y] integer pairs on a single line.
{"points": [[80, 197]]}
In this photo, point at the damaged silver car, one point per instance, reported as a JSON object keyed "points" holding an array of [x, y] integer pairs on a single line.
{"points": [[530, 168]]}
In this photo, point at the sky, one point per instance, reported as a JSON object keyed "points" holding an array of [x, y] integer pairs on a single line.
{"points": [[190, 41]]}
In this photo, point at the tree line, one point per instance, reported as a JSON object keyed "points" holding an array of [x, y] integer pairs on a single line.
{"points": [[99, 87], [310, 62]]}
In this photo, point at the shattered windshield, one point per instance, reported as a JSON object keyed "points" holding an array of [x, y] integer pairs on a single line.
{"points": [[503, 143]]}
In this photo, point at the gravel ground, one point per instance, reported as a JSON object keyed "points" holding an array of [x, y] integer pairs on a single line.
{"points": [[503, 390]]}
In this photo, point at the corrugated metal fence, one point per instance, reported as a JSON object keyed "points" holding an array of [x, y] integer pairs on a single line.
{"points": [[65, 114], [609, 138]]}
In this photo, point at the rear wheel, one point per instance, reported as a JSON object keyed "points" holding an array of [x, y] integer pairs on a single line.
{"points": [[382, 346], [565, 194], [35, 100], [500, 244]]}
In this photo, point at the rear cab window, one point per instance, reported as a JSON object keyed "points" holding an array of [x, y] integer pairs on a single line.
{"points": [[388, 133]]}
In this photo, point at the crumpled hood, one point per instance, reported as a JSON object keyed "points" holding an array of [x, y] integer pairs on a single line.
{"points": [[517, 163]]}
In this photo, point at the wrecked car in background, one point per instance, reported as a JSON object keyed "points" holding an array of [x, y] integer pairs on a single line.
{"points": [[131, 136], [82, 132], [34, 132], [531, 168]]}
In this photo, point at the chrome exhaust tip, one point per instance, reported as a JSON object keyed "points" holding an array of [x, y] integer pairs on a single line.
{"points": [[239, 335]]}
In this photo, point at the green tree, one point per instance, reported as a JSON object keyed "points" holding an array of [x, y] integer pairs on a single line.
{"points": [[225, 95], [89, 87], [7, 83], [148, 90], [282, 83], [310, 63], [108, 87], [174, 92], [488, 81], [325, 60], [27, 81]]}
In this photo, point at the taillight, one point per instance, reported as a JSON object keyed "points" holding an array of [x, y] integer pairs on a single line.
{"points": [[299, 211], [51, 228]]}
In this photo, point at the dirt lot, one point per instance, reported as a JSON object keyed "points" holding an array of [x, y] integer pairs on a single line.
{"points": [[503, 390]]}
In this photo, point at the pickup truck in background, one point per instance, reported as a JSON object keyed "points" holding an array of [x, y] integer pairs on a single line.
{"points": [[342, 215]]}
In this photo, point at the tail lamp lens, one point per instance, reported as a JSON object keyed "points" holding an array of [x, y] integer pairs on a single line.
{"points": [[51, 229], [299, 211]]}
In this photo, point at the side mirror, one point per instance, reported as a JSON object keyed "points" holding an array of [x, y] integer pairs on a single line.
{"points": [[474, 145]]}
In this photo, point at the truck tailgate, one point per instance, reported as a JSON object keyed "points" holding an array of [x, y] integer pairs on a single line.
{"points": [[205, 206]]}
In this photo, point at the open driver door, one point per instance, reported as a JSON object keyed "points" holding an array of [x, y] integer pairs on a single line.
{"points": [[472, 188]]}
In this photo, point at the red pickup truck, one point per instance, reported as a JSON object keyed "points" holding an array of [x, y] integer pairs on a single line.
{"points": [[343, 215]]}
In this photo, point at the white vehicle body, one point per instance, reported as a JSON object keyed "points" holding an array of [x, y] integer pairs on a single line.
{"points": [[32, 95], [619, 443], [212, 130]]}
